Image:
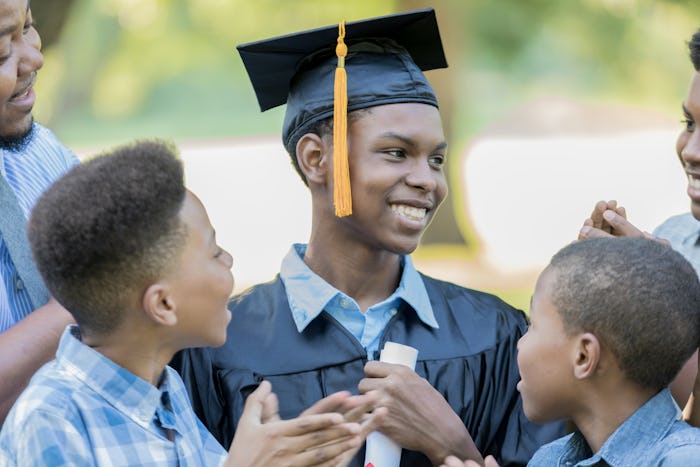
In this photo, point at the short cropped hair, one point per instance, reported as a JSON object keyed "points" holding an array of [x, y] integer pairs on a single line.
{"points": [[694, 46], [639, 297], [106, 228], [322, 128]]}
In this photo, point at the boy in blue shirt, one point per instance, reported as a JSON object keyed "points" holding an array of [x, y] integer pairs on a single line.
{"points": [[123, 245], [612, 322]]}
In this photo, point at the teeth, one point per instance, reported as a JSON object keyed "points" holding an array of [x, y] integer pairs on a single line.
{"points": [[416, 214], [694, 182], [19, 96]]}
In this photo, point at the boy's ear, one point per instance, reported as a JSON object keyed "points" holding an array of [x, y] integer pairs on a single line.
{"points": [[159, 304], [311, 156], [587, 356]]}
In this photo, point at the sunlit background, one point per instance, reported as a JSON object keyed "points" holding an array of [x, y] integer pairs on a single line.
{"points": [[548, 106]]}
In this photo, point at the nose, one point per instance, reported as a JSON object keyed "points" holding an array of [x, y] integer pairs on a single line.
{"points": [[421, 175], [31, 59], [227, 258]]}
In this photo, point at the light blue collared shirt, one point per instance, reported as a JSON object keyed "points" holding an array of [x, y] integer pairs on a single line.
{"points": [[683, 232], [654, 435], [83, 409], [308, 295]]}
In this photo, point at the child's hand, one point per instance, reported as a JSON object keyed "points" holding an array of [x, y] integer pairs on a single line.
{"points": [[262, 439], [452, 461]]}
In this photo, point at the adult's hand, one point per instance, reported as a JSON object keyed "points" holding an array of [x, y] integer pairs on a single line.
{"points": [[419, 418], [308, 440], [610, 220]]}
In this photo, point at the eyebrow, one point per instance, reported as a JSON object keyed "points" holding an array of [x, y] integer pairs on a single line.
{"points": [[409, 141], [12, 28], [685, 109], [8, 30]]}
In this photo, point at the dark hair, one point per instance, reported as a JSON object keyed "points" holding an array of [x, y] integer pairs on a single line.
{"points": [[322, 128], [639, 297], [694, 46], [107, 227]]}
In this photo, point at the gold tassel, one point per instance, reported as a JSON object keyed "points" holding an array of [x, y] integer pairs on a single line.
{"points": [[342, 198]]}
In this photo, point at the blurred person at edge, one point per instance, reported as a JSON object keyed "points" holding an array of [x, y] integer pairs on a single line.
{"points": [[31, 158], [682, 231]]}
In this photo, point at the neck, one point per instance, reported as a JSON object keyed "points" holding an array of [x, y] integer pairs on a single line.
{"points": [[134, 351], [605, 410], [365, 274]]}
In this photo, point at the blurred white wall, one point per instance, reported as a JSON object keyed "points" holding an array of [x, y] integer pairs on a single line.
{"points": [[528, 195]]}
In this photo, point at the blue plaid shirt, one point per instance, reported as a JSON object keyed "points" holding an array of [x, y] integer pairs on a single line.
{"points": [[654, 435], [308, 295], [83, 409], [29, 172], [683, 231]]}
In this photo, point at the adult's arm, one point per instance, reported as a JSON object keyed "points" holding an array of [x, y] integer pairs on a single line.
{"points": [[26, 346], [692, 410]]}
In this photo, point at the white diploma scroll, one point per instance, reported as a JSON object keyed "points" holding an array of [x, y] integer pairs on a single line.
{"points": [[380, 450]]}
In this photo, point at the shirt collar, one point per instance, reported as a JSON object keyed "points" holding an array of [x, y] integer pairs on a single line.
{"points": [[308, 294], [629, 442], [128, 393]]}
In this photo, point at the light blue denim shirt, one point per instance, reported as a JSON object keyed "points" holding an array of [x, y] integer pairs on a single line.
{"points": [[654, 435], [308, 295], [683, 232]]}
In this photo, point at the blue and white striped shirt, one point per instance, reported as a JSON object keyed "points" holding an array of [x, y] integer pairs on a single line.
{"points": [[83, 409], [28, 172]]}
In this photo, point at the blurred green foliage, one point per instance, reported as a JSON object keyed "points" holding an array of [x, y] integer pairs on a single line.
{"points": [[128, 68]]}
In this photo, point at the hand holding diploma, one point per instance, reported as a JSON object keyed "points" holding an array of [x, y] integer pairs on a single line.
{"points": [[381, 451], [418, 416]]}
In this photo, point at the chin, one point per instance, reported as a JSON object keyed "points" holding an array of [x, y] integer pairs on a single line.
{"points": [[695, 210]]}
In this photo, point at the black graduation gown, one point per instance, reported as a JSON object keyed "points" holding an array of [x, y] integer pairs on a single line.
{"points": [[470, 360]]}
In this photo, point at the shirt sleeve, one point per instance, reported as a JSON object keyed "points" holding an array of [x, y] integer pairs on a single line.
{"points": [[48, 439]]}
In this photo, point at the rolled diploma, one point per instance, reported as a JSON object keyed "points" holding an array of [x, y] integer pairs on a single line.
{"points": [[381, 451]]}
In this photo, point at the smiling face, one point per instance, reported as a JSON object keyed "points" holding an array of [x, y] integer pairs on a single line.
{"points": [[396, 154], [544, 355], [688, 144], [20, 59], [201, 281]]}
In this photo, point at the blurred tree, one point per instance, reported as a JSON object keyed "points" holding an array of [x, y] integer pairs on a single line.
{"points": [[50, 17], [444, 228]]}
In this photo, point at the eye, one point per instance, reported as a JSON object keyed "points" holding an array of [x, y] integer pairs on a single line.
{"points": [[28, 26], [396, 153], [219, 252], [689, 124], [437, 160]]}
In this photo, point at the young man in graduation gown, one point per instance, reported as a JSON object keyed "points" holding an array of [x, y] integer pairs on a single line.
{"points": [[318, 326]]}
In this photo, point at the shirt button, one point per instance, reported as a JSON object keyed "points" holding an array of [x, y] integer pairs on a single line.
{"points": [[19, 284], [393, 311], [345, 303]]}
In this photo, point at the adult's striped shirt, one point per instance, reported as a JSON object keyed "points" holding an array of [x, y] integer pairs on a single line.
{"points": [[28, 171]]}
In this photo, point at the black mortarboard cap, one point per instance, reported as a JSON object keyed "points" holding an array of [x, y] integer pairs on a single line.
{"points": [[385, 56]]}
